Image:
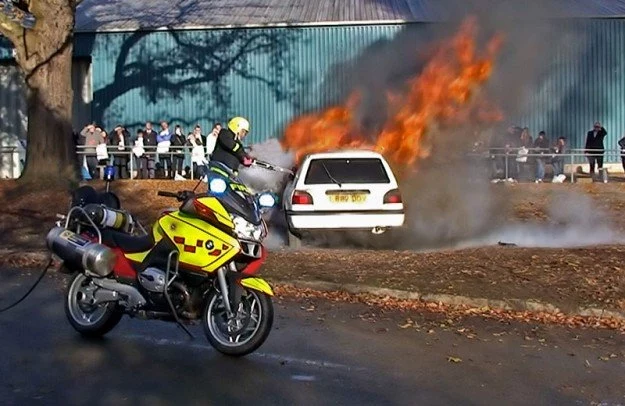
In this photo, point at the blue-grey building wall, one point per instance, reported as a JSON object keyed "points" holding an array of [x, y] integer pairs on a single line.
{"points": [[271, 75]]}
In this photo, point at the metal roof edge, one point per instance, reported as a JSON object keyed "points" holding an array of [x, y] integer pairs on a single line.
{"points": [[183, 27], [310, 24]]}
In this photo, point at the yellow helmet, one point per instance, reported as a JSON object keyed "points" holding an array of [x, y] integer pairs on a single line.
{"points": [[237, 124]]}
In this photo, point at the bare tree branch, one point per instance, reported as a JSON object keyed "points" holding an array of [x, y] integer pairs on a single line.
{"points": [[66, 42]]}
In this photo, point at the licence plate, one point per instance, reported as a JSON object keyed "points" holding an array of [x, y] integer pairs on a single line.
{"points": [[348, 198]]}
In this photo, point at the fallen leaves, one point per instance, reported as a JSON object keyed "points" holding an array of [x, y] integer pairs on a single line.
{"points": [[449, 312]]}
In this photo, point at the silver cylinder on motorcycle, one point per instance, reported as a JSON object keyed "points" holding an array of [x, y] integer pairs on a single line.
{"points": [[78, 252], [104, 216]]}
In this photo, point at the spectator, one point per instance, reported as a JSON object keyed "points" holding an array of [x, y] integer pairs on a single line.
{"points": [[101, 149], [594, 146], [523, 163], [120, 140], [621, 143], [541, 146], [495, 147], [199, 137], [90, 139], [511, 149], [557, 160], [178, 141], [139, 152], [198, 157], [164, 142], [149, 141], [211, 139]]}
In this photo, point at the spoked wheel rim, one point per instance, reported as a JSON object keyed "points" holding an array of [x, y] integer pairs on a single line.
{"points": [[78, 297], [240, 329]]}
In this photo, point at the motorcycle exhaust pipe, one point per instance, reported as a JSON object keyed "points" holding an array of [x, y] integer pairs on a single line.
{"points": [[78, 252]]}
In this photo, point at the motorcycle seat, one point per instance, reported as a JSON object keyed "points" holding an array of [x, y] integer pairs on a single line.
{"points": [[127, 243]]}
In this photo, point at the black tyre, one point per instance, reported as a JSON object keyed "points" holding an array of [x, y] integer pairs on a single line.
{"points": [[246, 332], [89, 320]]}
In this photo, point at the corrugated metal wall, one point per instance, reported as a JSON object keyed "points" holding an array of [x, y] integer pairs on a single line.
{"points": [[297, 73], [314, 68], [586, 83], [142, 76]]}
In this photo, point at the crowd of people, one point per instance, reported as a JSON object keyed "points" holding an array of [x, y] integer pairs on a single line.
{"points": [[513, 156], [154, 154], [517, 156]]}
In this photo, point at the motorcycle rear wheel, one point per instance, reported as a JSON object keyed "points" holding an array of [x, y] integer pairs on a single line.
{"points": [[253, 322], [89, 320]]}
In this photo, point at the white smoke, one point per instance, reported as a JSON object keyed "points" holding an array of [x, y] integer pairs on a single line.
{"points": [[261, 179], [575, 221]]}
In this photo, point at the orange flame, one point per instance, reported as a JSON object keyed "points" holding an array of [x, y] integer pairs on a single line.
{"points": [[440, 94]]}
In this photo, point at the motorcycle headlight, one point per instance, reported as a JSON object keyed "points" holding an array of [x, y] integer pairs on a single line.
{"points": [[246, 230]]}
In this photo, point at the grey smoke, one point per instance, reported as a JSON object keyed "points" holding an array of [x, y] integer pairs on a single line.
{"points": [[262, 179], [574, 221], [259, 179]]}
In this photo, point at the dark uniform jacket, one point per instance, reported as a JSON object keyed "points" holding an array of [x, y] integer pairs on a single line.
{"points": [[228, 150], [596, 142]]}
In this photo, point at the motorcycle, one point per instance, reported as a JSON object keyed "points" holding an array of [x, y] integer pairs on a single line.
{"points": [[198, 264]]}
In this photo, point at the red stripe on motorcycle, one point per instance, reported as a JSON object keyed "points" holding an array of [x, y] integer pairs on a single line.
{"points": [[199, 243], [215, 253], [179, 240], [189, 248]]}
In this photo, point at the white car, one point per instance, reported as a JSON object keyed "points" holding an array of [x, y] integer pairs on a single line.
{"points": [[343, 190]]}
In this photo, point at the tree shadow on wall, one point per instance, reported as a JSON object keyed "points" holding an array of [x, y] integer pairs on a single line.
{"points": [[199, 65]]}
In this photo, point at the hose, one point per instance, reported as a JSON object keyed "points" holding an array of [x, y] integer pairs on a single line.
{"points": [[45, 270]]}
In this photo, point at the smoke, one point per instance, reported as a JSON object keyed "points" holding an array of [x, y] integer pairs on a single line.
{"points": [[261, 179], [449, 201], [575, 221]]}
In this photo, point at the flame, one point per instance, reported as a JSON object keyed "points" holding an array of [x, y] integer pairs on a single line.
{"points": [[440, 94]]}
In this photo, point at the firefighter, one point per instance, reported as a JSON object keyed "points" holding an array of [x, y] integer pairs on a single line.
{"points": [[229, 147]]}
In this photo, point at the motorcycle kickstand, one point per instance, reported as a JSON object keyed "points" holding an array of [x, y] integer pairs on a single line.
{"points": [[168, 298]]}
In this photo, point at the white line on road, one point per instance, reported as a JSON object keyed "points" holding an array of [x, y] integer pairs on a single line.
{"points": [[277, 357]]}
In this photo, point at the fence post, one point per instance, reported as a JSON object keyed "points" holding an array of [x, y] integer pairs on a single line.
{"points": [[572, 167], [131, 164], [506, 163]]}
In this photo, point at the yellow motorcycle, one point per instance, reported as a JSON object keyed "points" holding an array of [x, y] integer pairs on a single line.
{"points": [[199, 264]]}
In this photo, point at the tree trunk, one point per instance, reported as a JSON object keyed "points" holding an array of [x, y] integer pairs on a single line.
{"points": [[51, 155], [44, 54]]}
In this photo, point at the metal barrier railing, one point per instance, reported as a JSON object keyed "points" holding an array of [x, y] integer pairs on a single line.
{"points": [[126, 157], [572, 157], [136, 163]]}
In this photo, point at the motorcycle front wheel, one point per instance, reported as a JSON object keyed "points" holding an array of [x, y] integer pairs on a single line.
{"points": [[246, 330]]}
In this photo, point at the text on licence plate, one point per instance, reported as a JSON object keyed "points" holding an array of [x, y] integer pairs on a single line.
{"points": [[348, 198]]}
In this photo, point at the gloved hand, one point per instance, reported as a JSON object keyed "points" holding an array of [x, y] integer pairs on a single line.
{"points": [[248, 161]]}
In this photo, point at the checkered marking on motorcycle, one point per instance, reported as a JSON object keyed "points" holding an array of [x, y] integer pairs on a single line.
{"points": [[199, 244], [187, 247]]}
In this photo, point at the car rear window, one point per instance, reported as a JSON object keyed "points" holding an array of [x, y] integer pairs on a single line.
{"points": [[346, 170]]}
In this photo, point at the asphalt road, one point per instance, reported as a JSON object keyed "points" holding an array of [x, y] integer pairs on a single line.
{"points": [[319, 353]]}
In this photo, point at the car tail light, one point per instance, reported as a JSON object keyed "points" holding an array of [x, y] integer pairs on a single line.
{"points": [[300, 197], [392, 196]]}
